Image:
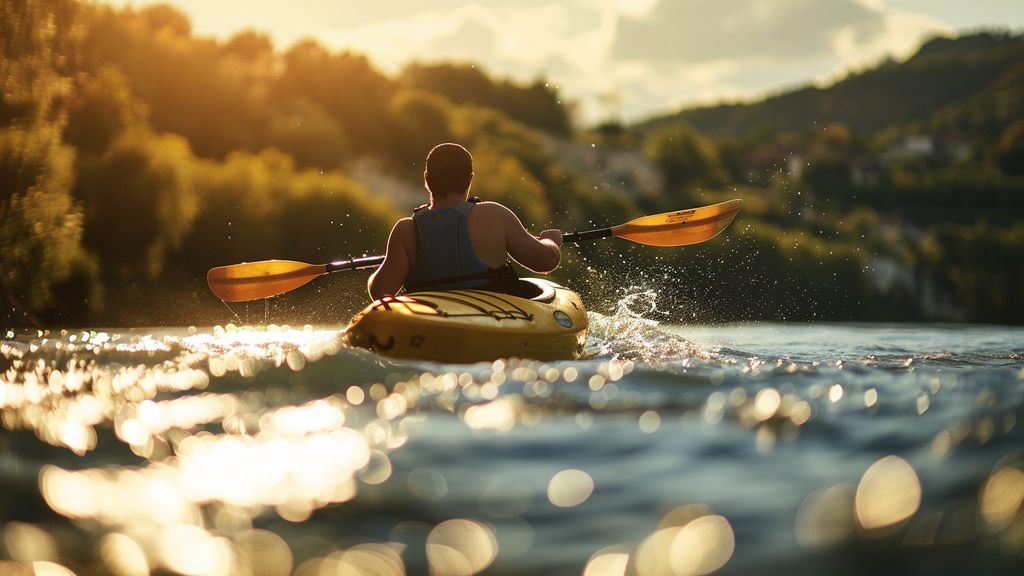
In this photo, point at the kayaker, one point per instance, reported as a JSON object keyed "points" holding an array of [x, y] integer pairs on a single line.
{"points": [[455, 241]]}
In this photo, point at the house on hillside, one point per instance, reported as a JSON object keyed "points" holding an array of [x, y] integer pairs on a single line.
{"points": [[609, 167], [943, 149]]}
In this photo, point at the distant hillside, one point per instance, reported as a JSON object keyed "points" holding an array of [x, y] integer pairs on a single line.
{"points": [[944, 76]]}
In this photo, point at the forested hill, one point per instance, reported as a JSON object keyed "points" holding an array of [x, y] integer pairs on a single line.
{"points": [[943, 86]]}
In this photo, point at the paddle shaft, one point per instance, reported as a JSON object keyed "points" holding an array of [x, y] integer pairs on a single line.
{"points": [[577, 237], [354, 264]]}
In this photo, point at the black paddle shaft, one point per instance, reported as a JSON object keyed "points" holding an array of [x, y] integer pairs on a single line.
{"points": [[576, 237], [354, 263]]}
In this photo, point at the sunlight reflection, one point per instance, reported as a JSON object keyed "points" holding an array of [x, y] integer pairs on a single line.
{"points": [[702, 546], [309, 462], [191, 550], [497, 415], [690, 540], [461, 546], [570, 488], [825, 518], [50, 569], [835, 393], [649, 422], [888, 494], [609, 561], [25, 543], [870, 398], [766, 403], [266, 553], [1001, 497], [368, 558], [123, 556], [427, 484]]}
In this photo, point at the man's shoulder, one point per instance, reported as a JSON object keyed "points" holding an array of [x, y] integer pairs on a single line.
{"points": [[492, 208], [404, 226]]}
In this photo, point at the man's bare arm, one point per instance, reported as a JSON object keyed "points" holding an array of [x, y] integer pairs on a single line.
{"points": [[540, 254], [389, 278]]}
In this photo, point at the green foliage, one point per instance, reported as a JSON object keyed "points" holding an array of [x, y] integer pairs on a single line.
{"points": [[536, 105], [979, 264], [346, 87], [40, 224], [255, 207], [193, 87], [686, 159], [1010, 153], [829, 161], [311, 135], [423, 119], [141, 202], [102, 109]]}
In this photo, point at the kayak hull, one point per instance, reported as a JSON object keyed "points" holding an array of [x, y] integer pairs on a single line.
{"points": [[465, 326]]}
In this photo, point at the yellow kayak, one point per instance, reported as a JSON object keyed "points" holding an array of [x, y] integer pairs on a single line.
{"points": [[462, 326]]}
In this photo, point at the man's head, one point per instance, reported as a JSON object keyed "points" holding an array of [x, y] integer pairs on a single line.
{"points": [[449, 170]]}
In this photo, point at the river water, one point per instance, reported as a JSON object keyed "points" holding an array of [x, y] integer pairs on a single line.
{"points": [[745, 449]]}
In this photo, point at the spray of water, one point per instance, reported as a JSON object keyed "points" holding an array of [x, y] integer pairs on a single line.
{"points": [[630, 332]]}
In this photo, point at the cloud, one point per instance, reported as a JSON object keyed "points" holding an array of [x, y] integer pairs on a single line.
{"points": [[694, 31], [685, 52], [472, 39]]}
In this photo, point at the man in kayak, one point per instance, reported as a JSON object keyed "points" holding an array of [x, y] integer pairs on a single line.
{"points": [[459, 242]]}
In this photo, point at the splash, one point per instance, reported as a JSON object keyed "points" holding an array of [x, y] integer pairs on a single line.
{"points": [[630, 333]]}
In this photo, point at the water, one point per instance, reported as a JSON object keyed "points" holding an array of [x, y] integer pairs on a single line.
{"points": [[757, 448]]}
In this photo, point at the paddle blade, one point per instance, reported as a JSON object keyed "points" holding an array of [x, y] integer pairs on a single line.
{"points": [[256, 280], [680, 228]]}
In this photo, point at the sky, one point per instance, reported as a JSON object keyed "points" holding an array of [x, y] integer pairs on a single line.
{"points": [[617, 59]]}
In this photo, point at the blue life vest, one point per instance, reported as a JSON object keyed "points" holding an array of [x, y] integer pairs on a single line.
{"points": [[445, 258]]}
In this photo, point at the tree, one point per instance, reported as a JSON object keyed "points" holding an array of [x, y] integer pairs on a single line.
{"points": [[40, 224], [141, 202], [686, 159], [829, 161], [1010, 151], [102, 109]]}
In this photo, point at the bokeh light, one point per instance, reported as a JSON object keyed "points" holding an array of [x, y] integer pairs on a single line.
{"points": [[888, 494], [570, 488], [825, 518], [461, 547], [690, 540], [609, 561], [1001, 497]]}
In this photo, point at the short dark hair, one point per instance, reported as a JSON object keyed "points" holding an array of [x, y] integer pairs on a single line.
{"points": [[449, 169]]}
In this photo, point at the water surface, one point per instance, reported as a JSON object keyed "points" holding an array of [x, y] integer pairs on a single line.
{"points": [[755, 448]]}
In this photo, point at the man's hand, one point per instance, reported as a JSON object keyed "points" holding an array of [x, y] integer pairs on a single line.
{"points": [[553, 235]]}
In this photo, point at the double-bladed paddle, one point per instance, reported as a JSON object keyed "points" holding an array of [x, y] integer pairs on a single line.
{"points": [[256, 280]]}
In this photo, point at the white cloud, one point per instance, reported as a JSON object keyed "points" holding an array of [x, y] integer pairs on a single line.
{"points": [[703, 51], [694, 31]]}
